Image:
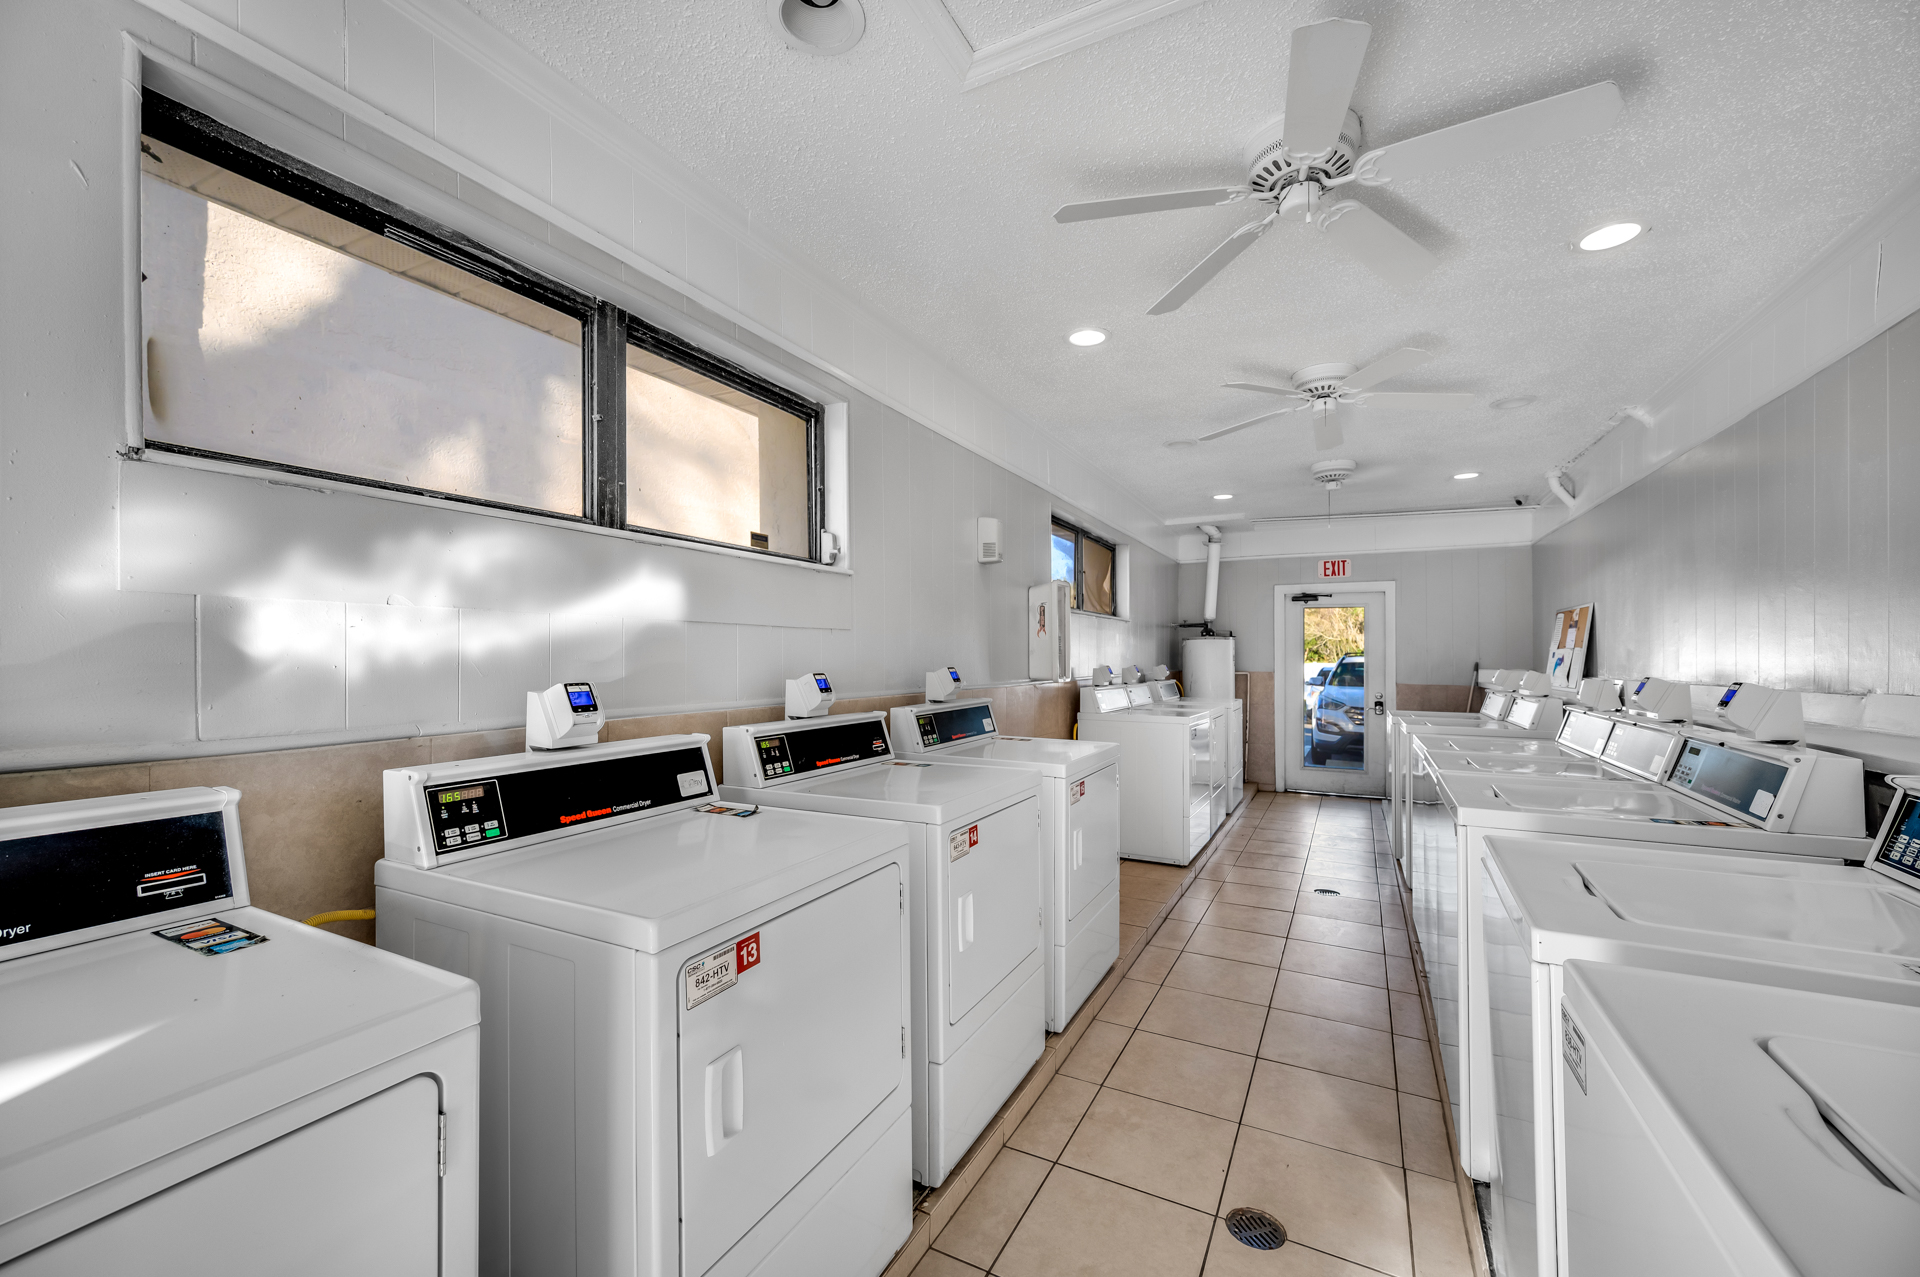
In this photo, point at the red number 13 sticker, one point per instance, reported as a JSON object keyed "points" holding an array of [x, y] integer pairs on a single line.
{"points": [[746, 953]]}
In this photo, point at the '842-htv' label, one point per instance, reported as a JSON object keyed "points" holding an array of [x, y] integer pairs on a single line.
{"points": [[720, 969]]}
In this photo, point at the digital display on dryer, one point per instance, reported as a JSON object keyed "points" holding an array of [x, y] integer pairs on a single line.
{"points": [[1731, 779], [812, 749], [944, 726], [467, 815]]}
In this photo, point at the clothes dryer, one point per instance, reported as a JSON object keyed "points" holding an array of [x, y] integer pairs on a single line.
{"points": [[1174, 797], [694, 1046], [1167, 694], [1759, 919], [979, 1004], [1721, 1129], [1079, 834], [188, 1082]]}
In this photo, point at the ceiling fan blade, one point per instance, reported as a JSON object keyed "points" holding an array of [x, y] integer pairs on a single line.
{"points": [[1326, 431], [1386, 366], [1377, 244], [1210, 265], [1419, 399], [1578, 114], [1265, 390], [1321, 73], [1128, 205], [1269, 416]]}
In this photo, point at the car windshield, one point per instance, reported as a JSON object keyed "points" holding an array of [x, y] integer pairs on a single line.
{"points": [[1348, 674]]}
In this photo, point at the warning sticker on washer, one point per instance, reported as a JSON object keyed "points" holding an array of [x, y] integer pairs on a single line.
{"points": [[962, 841], [1573, 1048], [1076, 791], [210, 935], [692, 784]]}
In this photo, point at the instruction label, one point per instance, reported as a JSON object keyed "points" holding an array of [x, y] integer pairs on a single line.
{"points": [[1573, 1048], [210, 936], [716, 972], [962, 841], [1076, 791]]}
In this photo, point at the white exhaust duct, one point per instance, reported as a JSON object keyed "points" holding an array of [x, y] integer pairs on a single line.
{"points": [[1214, 539]]}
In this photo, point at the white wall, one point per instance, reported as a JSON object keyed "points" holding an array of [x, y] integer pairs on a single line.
{"points": [[153, 610], [1452, 607]]}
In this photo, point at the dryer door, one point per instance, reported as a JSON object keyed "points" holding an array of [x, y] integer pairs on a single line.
{"points": [[780, 1066], [992, 916], [1093, 836]]}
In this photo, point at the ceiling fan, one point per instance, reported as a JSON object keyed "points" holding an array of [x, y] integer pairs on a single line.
{"points": [[1322, 388], [1295, 160]]}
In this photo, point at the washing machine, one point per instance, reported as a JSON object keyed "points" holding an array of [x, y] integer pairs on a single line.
{"points": [[188, 1083], [693, 1057], [1722, 1129], [979, 1001], [1838, 929], [1166, 694], [1720, 795], [1175, 761], [1513, 716], [1079, 834]]}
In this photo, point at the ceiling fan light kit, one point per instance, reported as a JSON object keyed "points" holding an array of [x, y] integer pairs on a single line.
{"points": [[1323, 388], [1295, 159]]}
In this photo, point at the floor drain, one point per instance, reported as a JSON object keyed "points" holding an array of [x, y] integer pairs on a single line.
{"points": [[1255, 1228], [1325, 891]]}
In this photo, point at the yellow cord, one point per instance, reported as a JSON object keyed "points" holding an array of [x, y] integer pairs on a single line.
{"points": [[341, 915]]}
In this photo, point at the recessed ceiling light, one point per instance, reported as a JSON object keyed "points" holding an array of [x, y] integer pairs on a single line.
{"points": [[1612, 235], [1513, 401], [1181, 443], [1086, 337], [1468, 474], [1223, 496]]}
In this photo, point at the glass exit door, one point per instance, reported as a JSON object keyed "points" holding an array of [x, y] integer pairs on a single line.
{"points": [[1332, 686]]}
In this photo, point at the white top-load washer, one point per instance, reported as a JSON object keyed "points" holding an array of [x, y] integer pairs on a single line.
{"points": [[1742, 797], [1722, 1129], [1167, 694], [979, 1006], [1509, 717], [693, 1058], [1079, 834], [189, 1083], [1174, 797], [1762, 919]]}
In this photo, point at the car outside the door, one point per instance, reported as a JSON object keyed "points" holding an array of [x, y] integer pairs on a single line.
{"points": [[1340, 711]]}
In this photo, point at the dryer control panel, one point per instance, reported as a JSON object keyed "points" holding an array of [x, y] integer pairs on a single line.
{"points": [[934, 726], [770, 753]]}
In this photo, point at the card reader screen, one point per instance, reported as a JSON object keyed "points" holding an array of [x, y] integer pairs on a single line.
{"points": [[1901, 850], [1730, 778], [820, 681], [1726, 698], [580, 696], [812, 749], [56, 883], [944, 726]]}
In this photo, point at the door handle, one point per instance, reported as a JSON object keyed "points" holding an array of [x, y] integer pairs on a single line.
{"points": [[726, 1099], [1078, 846], [1379, 705], [963, 922]]}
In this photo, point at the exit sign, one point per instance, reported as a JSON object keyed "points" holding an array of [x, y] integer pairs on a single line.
{"points": [[1333, 568]]}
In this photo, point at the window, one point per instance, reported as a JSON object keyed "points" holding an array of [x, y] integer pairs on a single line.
{"points": [[296, 321], [1087, 562]]}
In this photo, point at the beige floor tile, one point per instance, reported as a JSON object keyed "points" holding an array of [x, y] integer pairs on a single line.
{"points": [[1099, 1047], [1341, 1000], [1259, 876], [1413, 1067], [1222, 977], [1049, 1123], [986, 1219], [1158, 1148], [1172, 935], [1203, 889], [1153, 964], [1281, 844], [1240, 893], [1439, 1236], [1214, 869], [1355, 1117], [1139, 913], [1339, 1203], [935, 1264], [1344, 935], [1241, 946], [1407, 1020], [1332, 851], [1227, 1023], [1309, 1042], [1083, 1226], [1228, 1258], [1187, 1074], [1423, 1137], [1128, 935], [1345, 907], [1400, 977], [1332, 961], [1273, 857], [1354, 885], [1270, 922], [1128, 1003], [1189, 909], [1395, 942]]}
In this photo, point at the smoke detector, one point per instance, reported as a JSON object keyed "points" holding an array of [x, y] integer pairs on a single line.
{"points": [[1331, 474], [818, 26]]}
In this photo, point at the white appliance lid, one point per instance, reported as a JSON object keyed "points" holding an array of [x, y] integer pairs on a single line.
{"points": [[1071, 759], [125, 1049], [1460, 744], [1521, 764], [929, 793]]}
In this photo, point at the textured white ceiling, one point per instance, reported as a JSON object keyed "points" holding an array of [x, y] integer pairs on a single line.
{"points": [[1754, 133]]}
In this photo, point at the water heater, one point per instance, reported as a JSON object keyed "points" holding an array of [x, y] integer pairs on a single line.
{"points": [[1207, 668]]}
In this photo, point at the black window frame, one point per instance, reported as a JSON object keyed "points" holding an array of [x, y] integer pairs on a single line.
{"points": [[1080, 537], [605, 332]]}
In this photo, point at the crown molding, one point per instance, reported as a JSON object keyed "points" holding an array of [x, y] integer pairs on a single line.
{"points": [[1087, 25]]}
